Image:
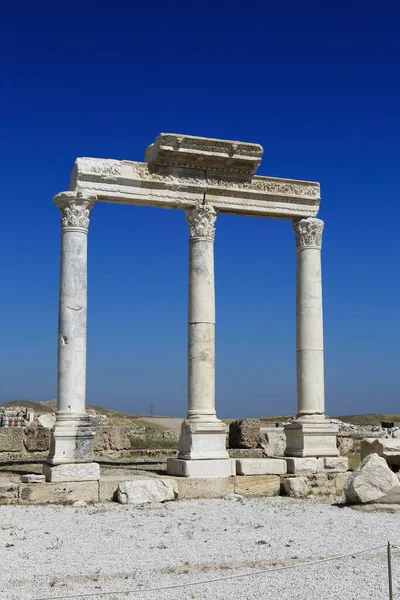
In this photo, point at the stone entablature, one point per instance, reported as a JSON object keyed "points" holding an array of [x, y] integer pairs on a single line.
{"points": [[184, 171]]}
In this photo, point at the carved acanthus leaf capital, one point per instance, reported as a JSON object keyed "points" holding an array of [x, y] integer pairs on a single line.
{"points": [[308, 232], [74, 210], [201, 221]]}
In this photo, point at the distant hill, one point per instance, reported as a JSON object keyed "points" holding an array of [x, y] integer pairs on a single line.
{"points": [[369, 419]]}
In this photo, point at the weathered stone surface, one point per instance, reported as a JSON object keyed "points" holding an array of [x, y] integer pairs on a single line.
{"points": [[296, 487], [304, 465], [273, 442], [246, 453], [79, 504], [58, 493], [100, 440], [258, 485], [371, 481], [337, 464], [47, 420], [37, 439], [119, 439], [11, 439], [389, 449], [244, 433], [144, 491], [8, 492], [201, 468], [72, 472], [345, 445], [214, 487], [32, 478], [260, 466]]}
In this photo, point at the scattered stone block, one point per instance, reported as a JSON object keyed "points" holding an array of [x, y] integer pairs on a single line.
{"points": [[11, 439], [296, 487], [9, 492], [371, 481], [224, 467], [72, 472], [37, 439], [214, 487], [47, 420], [260, 466], [244, 433], [273, 442], [118, 438], [144, 491], [297, 466], [58, 493], [80, 504], [32, 478], [258, 485], [388, 448]]}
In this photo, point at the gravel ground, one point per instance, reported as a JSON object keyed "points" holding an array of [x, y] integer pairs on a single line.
{"points": [[56, 552]]}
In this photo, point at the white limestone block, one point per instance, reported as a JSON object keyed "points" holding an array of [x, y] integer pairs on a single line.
{"points": [[144, 491], [297, 466], [338, 464], [47, 421], [201, 440], [72, 472], [32, 478], [260, 466], [296, 487], [201, 468], [372, 481]]}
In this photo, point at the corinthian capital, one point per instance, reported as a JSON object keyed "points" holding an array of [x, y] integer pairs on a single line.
{"points": [[308, 232], [201, 221], [74, 210]]}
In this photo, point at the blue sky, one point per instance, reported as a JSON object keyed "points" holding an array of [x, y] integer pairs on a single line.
{"points": [[315, 83]]}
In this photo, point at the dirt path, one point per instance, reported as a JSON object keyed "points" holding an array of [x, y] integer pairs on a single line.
{"points": [[170, 423]]}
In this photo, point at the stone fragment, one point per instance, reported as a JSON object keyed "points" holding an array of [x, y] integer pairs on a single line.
{"points": [[11, 439], [296, 487], [59, 493], [234, 498], [273, 442], [297, 466], [37, 439], [260, 466], [72, 472], [345, 445], [80, 504], [32, 478], [144, 491], [258, 485], [389, 449], [47, 420], [371, 481], [244, 433]]}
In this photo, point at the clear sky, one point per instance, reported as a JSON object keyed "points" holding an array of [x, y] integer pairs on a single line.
{"points": [[315, 83]]}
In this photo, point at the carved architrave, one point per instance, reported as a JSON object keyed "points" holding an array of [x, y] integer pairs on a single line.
{"points": [[201, 221], [75, 211], [308, 232]]}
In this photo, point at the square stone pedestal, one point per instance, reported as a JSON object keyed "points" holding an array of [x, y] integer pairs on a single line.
{"points": [[225, 467], [71, 439], [72, 472], [203, 440], [309, 437]]}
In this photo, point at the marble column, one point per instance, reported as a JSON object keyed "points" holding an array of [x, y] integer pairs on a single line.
{"points": [[310, 434], [202, 444], [71, 452]]}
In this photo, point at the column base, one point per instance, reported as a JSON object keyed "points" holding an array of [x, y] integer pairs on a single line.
{"points": [[311, 437], [71, 440], [201, 468], [72, 472], [203, 440]]}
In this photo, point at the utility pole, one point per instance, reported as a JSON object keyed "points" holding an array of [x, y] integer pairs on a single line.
{"points": [[152, 409]]}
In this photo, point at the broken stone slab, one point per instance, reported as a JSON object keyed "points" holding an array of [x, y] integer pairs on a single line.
{"points": [[273, 442], [47, 420], [260, 466], [371, 481], [296, 487], [58, 493], [244, 433], [388, 448], [72, 472], [145, 491], [296, 466], [32, 478]]}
